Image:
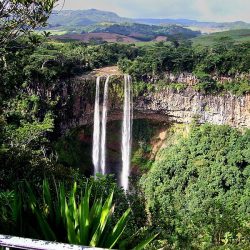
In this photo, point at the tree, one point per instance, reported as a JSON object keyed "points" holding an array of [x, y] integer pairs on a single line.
{"points": [[198, 189], [21, 16]]}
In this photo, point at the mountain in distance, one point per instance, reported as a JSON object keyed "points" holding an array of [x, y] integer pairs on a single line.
{"points": [[189, 22], [204, 27], [162, 21], [84, 17], [107, 26], [79, 24], [76, 18]]}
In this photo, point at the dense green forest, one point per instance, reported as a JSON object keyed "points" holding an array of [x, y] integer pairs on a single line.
{"points": [[195, 194]]}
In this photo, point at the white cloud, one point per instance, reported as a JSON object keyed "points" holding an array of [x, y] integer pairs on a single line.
{"points": [[210, 10]]}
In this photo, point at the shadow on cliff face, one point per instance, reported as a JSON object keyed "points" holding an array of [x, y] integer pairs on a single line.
{"points": [[75, 148]]}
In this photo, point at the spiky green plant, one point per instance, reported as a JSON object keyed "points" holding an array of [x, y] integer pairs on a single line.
{"points": [[73, 219]]}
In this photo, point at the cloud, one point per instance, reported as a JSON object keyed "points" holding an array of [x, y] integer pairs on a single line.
{"points": [[210, 10]]}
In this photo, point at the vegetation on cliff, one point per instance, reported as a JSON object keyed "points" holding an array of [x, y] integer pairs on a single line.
{"points": [[223, 59], [197, 192]]}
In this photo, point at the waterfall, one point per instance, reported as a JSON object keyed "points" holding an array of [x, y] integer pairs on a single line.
{"points": [[100, 127], [104, 126], [126, 132], [96, 132]]}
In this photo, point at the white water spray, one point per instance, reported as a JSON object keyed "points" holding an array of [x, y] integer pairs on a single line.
{"points": [[126, 132], [96, 132], [104, 126]]}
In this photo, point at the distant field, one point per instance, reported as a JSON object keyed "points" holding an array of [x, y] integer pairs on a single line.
{"points": [[235, 35], [141, 44], [55, 32], [206, 30], [108, 37]]}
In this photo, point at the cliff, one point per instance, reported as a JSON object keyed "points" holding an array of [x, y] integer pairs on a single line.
{"points": [[77, 105], [186, 105]]}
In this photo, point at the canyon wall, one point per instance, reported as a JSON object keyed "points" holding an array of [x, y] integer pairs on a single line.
{"points": [[77, 105]]}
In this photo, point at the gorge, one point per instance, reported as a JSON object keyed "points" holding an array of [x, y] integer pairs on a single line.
{"points": [[153, 107], [163, 104]]}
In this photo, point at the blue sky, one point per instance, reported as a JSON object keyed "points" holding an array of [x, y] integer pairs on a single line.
{"points": [[205, 10]]}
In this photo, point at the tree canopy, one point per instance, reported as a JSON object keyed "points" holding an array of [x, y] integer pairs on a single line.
{"points": [[21, 16], [197, 191]]}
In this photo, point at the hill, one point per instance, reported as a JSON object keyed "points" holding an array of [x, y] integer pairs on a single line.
{"points": [[144, 32], [242, 35], [73, 19], [70, 23], [69, 18], [202, 26]]}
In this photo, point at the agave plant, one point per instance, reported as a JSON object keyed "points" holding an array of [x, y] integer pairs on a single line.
{"points": [[88, 225], [74, 219]]}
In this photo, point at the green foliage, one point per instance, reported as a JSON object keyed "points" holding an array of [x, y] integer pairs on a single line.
{"points": [[197, 191], [76, 218], [237, 35], [178, 86], [6, 198], [154, 60], [72, 218], [140, 160], [237, 88], [20, 16], [30, 132], [143, 132], [141, 88], [74, 152], [25, 139], [206, 83]]}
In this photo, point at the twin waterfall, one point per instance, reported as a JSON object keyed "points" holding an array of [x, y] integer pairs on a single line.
{"points": [[100, 125]]}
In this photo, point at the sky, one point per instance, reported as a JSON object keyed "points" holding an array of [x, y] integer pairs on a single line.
{"points": [[203, 10]]}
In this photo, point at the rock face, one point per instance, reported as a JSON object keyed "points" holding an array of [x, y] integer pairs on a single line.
{"points": [[186, 105], [162, 104]]}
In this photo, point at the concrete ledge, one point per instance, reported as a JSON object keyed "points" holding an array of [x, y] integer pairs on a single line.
{"points": [[25, 243]]}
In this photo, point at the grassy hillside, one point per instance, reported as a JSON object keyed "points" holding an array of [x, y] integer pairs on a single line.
{"points": [[144, 32], [96, 38], [242, 35], [131, 32]]}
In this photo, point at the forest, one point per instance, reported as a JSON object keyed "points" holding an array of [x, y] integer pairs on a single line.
{"points": [[195, 194]]}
